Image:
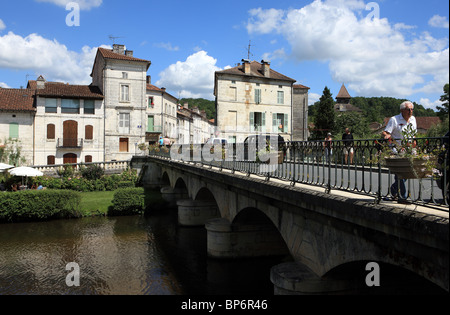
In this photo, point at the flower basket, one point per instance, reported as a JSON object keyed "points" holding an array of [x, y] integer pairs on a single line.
{"points": [[411, 168]]}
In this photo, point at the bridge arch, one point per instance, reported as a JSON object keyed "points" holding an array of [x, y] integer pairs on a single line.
{"points": [[393, 279]]}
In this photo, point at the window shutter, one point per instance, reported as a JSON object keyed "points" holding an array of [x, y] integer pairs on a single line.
{"points": [[14, 130], [274, 123], [89, 132], [252, 122], [286, 122], [51, 132]]}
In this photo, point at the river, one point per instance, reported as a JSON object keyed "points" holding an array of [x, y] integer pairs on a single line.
{"points": [[137, 255]]}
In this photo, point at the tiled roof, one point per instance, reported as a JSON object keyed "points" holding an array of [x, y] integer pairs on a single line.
{"points": [[255, 71], [21, 100], [109, 54], [300, 86], [343, 93], [61, 90]]}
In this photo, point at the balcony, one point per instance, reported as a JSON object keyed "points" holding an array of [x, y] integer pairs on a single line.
{"points": [[67, 143]]}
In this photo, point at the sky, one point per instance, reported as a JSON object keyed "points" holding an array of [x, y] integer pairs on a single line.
{"points": [[390, 48]]}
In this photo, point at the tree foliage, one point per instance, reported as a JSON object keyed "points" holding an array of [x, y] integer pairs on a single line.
{"points": [[208, 106], [443, 110], [324, 121]]}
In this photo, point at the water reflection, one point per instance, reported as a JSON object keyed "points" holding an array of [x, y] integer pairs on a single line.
{"points": [[125, 255], [116, 256]]}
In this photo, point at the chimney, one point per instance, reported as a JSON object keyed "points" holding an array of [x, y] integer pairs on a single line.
{"points": [[40, 83], [129, 53], [149, 79], [119, 49], [186, 105], [266, 68], [246, 63]]}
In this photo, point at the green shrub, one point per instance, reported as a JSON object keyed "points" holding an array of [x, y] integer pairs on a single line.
{"points": [[128, 201], [92, 172], [39, 205]]}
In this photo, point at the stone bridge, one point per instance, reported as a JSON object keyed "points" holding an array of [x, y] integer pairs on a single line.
{"points": [[330, 238]]}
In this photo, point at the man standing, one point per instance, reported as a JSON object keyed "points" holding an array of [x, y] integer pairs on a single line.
{"points": [[347, 138], [393, 131]]}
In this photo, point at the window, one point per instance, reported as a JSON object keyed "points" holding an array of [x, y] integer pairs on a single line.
{"points": [[232, 93], [51, 160], [124, 93], [70, 158], [89, 107], [257, 122], [151, 103], [51, 132], [124, 75], [69, 106], [14, 130], [151, 124], [88, 159], [258, 96], [123, 145], [124, 123], [280, 99], [89, 132], [51, 105], [280, 122]]}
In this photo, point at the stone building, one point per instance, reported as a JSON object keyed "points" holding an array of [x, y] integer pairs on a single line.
{"points": [[122, 80], [161, 114], [252, 98]]}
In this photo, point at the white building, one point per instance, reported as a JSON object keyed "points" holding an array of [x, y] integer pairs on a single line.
{"points": [[122, 80], [252, 98], [161, 114]]}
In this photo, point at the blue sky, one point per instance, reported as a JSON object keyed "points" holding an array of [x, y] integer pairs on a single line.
{"points": [[394, 48]]}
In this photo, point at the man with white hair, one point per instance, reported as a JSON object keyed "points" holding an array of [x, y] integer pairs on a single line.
{"points": [[393, 131]]}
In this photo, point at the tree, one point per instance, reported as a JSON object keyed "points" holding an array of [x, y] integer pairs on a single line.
{"points": [[443, 110], [325, 118], [356, 122]]}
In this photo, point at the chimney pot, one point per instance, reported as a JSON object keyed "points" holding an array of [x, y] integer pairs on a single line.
{"points": [[266, 68], [246, 63]]}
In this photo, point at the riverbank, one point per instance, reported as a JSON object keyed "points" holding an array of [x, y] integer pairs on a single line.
{"points": [[30, 206]]}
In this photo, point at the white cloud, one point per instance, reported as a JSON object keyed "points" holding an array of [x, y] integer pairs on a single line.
{"points": [[2, 25], [429, 104], [371, 56], [4, 85], [167, 46], [47, 57], [438, 21], [84, 4], [191, 78]]}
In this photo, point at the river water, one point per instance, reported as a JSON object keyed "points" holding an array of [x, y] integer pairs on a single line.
{"points": [[138, 255]]}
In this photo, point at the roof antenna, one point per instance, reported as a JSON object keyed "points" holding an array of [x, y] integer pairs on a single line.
{"points": [[113, 38], [249, 54]]}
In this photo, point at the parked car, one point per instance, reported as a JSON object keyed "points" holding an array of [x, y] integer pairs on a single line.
{"points": [[276, 143]]}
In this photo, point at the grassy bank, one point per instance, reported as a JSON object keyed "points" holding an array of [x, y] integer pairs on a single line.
{"points": [[96, 203]]}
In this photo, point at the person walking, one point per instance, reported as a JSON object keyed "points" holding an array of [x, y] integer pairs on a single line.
{"points": [[393, 132], [327, 144], [347, 138]]}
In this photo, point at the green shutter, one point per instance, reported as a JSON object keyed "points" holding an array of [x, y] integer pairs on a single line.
{"points": [[252, 122], [14, 130], [286, 122], [274, 123], [263, 122]]}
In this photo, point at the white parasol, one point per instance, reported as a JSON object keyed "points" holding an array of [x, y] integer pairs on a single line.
{"points": [[4, 167], [25, 171]]}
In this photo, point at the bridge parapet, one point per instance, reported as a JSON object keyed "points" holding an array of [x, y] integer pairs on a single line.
{"points": [[324, 230]]}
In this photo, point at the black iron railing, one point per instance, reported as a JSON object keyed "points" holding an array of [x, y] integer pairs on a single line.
{"points": [[307, 162]]}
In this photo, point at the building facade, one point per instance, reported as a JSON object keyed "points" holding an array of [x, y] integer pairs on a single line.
{"points": [[252, 98]]}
